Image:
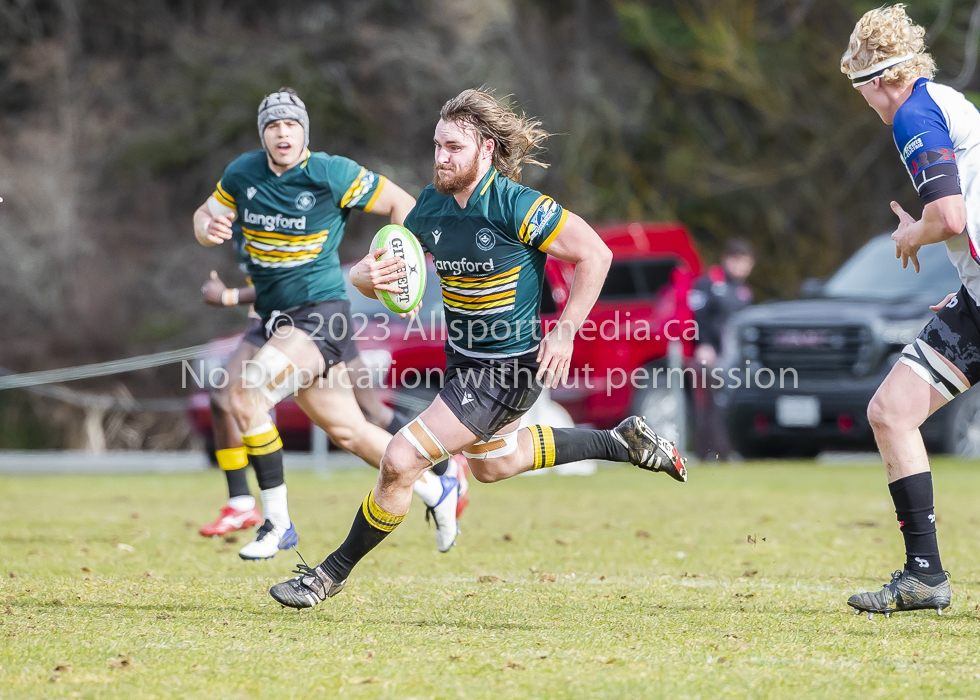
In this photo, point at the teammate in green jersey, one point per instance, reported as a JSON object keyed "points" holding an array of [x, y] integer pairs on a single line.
{"points": [[240, 511], [290, 206], [489, 238]]}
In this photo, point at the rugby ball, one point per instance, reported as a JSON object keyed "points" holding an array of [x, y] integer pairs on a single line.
{"points": [[402, 244]]}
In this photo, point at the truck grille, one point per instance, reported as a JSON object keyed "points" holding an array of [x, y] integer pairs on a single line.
{"points": [[814, 351]]}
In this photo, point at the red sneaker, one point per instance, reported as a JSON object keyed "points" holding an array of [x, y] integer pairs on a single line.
{"points": [[463, 475], [231, 520]]}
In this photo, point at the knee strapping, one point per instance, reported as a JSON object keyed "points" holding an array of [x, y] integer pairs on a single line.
{"points": [[424, 441], [928, 364], [272, 373], [498, 446]]}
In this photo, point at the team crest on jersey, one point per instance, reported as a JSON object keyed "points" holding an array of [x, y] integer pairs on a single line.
{"points": [[485, 240], [304, 201], [545, 212], [250, 192]]}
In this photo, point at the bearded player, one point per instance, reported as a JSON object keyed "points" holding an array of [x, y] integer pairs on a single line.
{"points": [[290, 207], [489, 238], [937, 133]]}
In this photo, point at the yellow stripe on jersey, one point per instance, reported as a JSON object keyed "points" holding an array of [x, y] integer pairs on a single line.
{"points": [[503, 301], [523, 234], [483, 309], [273, 249], [272, 238], [283, 254], [374, 197], [481, 295], [492, 281], [223, 197], [554, 234], [358, 188], [487, 186], [446, 294]]}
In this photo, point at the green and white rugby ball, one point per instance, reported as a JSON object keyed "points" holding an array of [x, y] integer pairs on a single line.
{"points": [[402, 244]]}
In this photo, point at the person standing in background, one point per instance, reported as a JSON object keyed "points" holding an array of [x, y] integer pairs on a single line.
{"points": [[714, 298]]}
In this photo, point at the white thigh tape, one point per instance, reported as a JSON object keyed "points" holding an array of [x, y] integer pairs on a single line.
{"points": [[424, 441], [498, 446], [272, 373], [928, 364]]}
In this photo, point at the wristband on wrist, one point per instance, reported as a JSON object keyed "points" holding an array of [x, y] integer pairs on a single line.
{"points": [[229, 297]]}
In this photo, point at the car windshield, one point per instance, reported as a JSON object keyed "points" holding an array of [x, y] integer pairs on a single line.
{"points": [[431, 299], [874, 272]]}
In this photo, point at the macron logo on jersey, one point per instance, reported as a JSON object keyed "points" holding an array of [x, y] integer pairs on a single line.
{"points": [[271, 223], [914, 144]]}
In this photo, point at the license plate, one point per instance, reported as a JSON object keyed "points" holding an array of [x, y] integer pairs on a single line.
{"points": [[798, 411]]}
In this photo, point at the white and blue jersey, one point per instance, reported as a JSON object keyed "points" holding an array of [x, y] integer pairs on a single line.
{"points": [[937, 133]]}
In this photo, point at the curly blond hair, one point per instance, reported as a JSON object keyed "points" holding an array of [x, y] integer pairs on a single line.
{"points": [[889, 32], [517, 138]]}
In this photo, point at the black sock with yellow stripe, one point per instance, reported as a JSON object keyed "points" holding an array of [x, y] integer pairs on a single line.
{"points": [[371, 525], [563, 445], [233, 461], [264, 448]]}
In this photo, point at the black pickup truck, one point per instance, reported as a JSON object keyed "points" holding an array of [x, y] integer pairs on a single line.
{"points": [[842, 338]]}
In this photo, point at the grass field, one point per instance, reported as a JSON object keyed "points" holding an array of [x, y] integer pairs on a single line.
{"points": [[622, 585]]}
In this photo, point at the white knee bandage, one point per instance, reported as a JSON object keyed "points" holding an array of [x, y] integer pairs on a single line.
{"points": [[929, 365], [424, 441], [272, 373], [498, 446]]}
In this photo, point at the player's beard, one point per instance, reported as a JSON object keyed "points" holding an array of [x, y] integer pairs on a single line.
{"points": [[459, 182]]}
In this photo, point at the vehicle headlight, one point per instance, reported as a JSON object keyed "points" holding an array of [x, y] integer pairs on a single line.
{"points": [[902, 332]]}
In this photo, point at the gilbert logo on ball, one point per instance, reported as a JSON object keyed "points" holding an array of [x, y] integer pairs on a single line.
{"points": [[402, 244]]}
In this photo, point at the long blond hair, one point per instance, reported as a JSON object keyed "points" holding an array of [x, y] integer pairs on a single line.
{"points": [[517, 138], [889, 32]]}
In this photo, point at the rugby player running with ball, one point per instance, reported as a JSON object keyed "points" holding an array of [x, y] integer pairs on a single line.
{"points": [[937, 133], [290, 207], [489, 238]]}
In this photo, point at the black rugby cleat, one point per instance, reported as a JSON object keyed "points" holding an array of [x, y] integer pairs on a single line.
{"points": [[906, 591], [310, 588], [647, 450]]}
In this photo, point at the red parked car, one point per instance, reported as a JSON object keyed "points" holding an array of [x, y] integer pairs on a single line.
{"points": [[642, 308]]}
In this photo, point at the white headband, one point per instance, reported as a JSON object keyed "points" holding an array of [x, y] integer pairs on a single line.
{"points": [[862, 77]]}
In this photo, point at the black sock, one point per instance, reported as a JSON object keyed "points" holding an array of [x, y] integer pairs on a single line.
{"points": [[371, 525], [265, 455], [237, 482], [398, 421], [563, 445], [233, 461], [917, 519], [441, 468]]}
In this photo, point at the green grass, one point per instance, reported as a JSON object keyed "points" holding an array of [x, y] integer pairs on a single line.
{"points": [[732, 585]]}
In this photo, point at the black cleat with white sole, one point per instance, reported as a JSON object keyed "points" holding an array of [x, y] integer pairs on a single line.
{"points": [[647, 450], [906, 591], [310, 588]]}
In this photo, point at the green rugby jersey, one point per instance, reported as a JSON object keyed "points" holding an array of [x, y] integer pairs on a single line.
{"points": [[490, 259], [292, 223]]}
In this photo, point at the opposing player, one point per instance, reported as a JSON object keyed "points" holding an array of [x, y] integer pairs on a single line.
{"points": [[291, 206], [489, 237], [937, 133]]}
